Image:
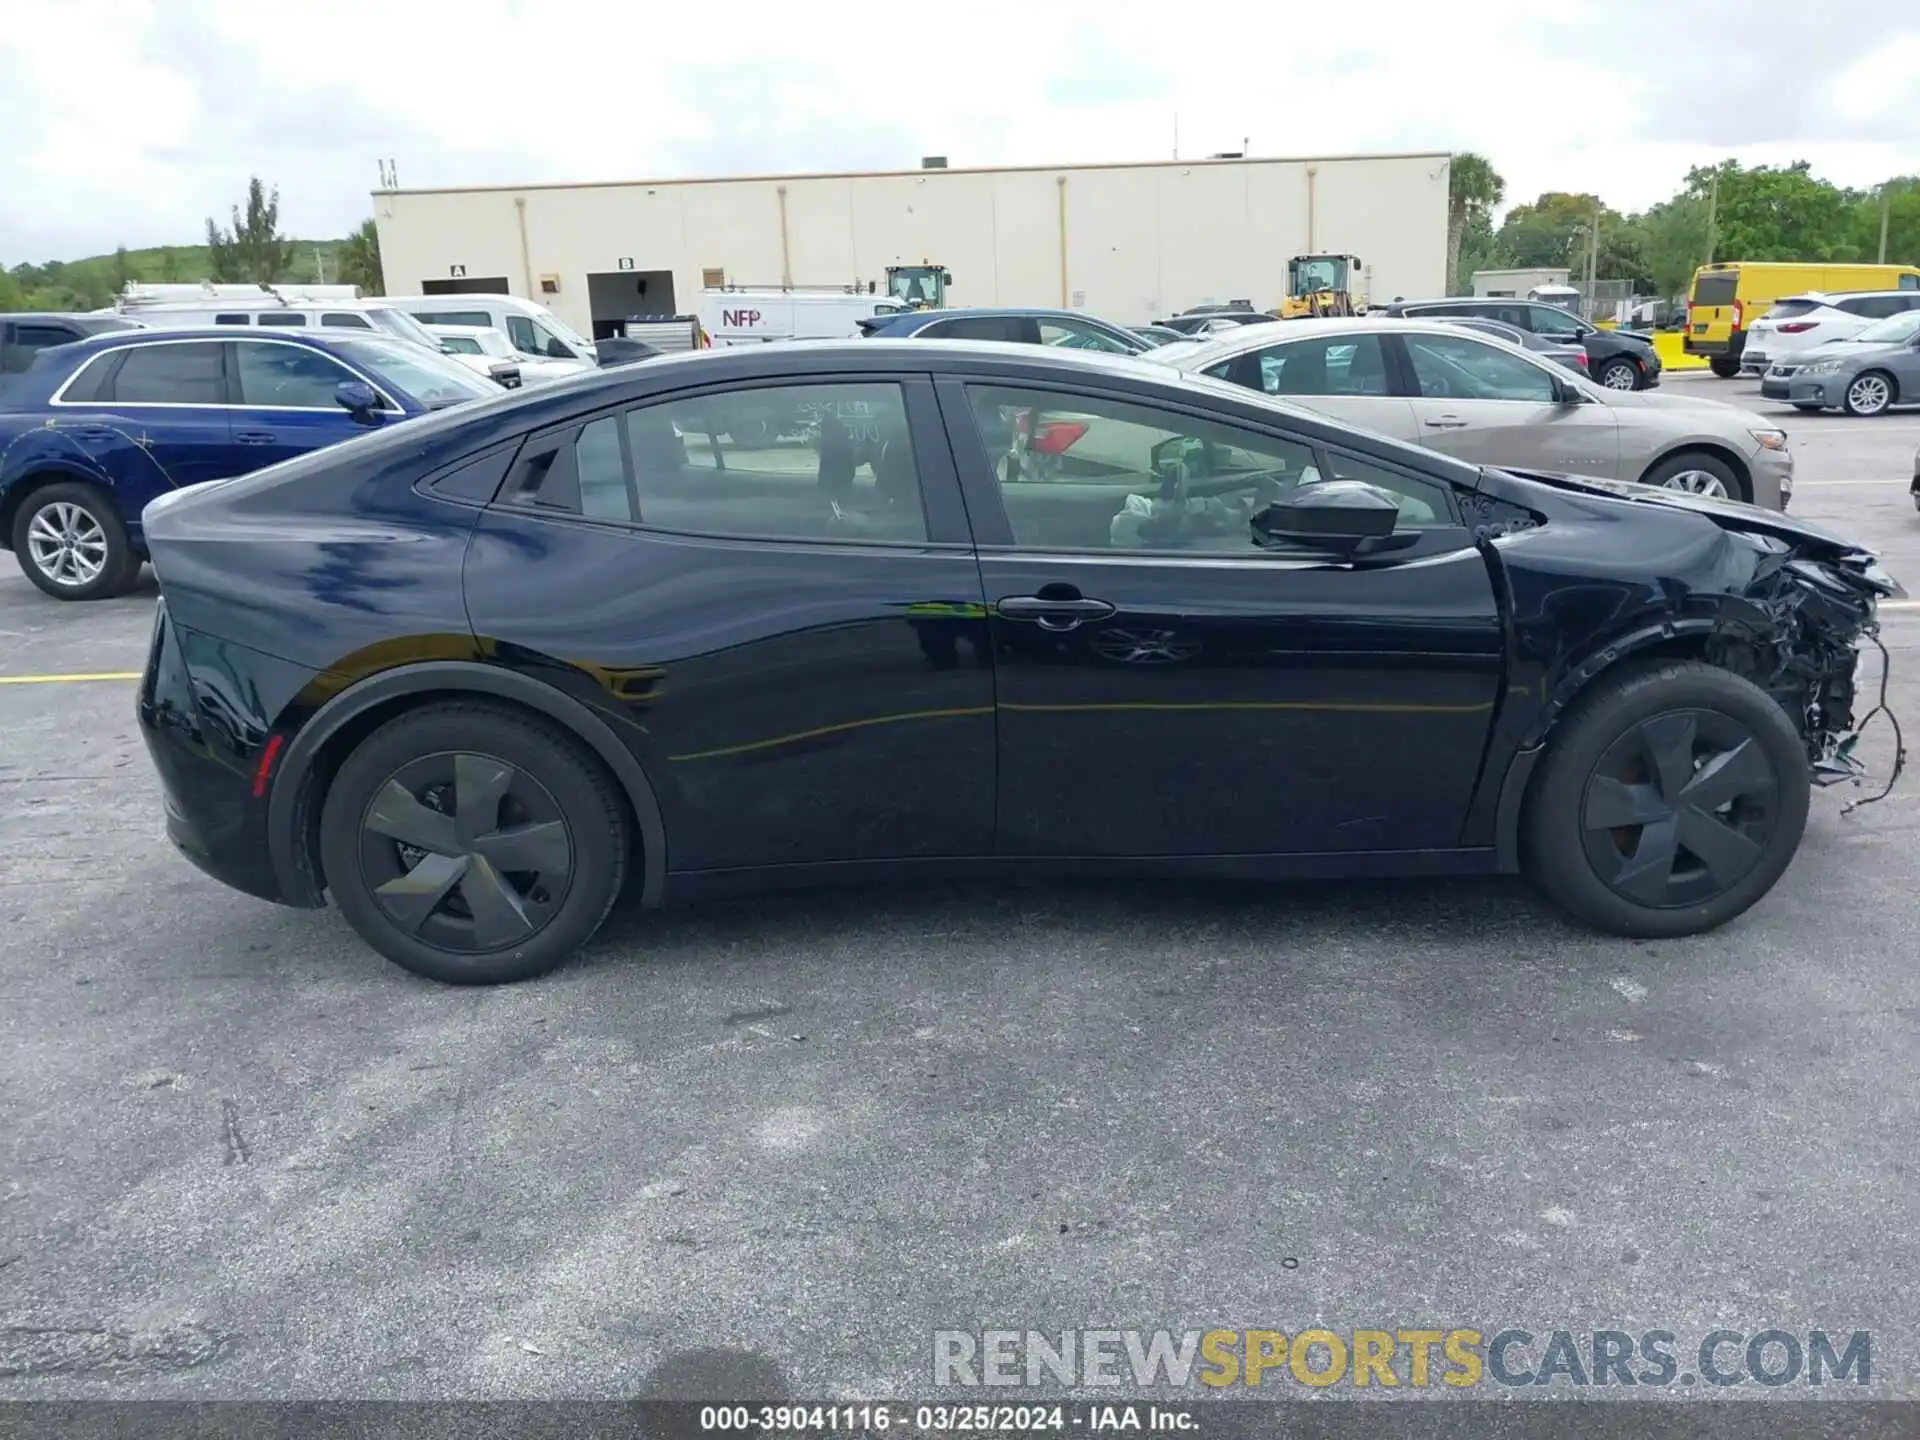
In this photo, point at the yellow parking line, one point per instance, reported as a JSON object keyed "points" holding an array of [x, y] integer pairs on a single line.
{"points": [[62, 679]]}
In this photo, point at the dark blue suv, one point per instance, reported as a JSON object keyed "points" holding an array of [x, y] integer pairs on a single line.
{"points": [[92, 431]]}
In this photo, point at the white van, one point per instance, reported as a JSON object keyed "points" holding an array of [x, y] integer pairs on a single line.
{"points": [[533, 329], [757, 317], [337, 315]]}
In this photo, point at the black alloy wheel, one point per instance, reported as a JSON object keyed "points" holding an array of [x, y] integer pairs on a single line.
{"points": [[466, 852], [1679, 809], [1672, 796], [474, 843]]}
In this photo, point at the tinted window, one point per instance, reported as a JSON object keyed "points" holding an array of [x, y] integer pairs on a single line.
{"points": [[826, 462], [287, 376], [233, 319], [1549, 320], [188, 374], [1716, 288], [282, 317], [26, 341], [461, 345], [1010, 328], [1458, 368], [1874, 307], [1072, 336], [1334, 366], [454, 317], [1092, 473], [603, 471], [1910, 282], [345, 320]]}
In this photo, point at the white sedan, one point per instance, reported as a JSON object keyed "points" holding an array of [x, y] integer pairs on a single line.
{"points": [[482, 348]]}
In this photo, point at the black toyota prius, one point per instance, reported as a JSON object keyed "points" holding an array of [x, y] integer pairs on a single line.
{"points": [[867, 611]]}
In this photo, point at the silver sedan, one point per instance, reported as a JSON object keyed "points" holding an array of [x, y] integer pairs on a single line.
{"points": [[1866, 374], [1479, 398]]}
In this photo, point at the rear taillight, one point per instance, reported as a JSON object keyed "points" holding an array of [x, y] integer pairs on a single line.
{"points": [[1580, 360], [1796, 327], [1739, 314]]}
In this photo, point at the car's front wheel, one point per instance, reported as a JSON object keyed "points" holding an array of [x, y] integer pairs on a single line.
{"points": [[70, 542], [1669, 801], [1869, 394], [473, 844], [1619, 374], [1697, 474]]}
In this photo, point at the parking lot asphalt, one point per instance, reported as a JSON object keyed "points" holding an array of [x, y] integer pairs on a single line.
{"points": [[785, 1139]]}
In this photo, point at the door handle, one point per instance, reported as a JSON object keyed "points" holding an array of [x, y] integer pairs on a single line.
{"points": [[1446, 422], [254, 437], [1052, 614]]}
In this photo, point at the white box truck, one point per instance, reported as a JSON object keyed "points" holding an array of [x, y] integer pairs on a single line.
{"points": [[760, 316]]}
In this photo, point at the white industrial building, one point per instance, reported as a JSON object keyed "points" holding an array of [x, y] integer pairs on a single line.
{"points": [[1126, 241]]}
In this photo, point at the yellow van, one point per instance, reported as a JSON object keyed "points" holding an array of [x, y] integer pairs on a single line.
{"points": [[1729, 295]]}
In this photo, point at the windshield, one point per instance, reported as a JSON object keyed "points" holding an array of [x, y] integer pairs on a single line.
{"points": [[566, 332], [1894, 330], [403, 326], [433, 379], [1312, 276]]}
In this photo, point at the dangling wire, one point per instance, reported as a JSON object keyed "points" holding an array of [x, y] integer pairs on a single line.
{"points": [[1899, 743]]}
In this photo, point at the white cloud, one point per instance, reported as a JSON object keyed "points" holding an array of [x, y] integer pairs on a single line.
{"points": [[181, 100]]}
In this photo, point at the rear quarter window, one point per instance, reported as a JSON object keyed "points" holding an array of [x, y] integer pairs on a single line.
{"points": [[1787, 309]]}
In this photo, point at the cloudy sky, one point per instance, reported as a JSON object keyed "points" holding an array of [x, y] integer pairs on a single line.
{"points": [[130, 121]]}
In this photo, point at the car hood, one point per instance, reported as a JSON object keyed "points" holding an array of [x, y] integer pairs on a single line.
{"points": [[1673, 400], [1733, 514], [1846, 351]]}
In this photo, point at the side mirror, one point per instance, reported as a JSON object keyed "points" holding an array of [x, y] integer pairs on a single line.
{"points": [[1340, 515], [1565, 393], [358, 399]]}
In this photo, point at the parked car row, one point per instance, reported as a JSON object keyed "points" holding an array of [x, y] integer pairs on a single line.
{"points": [[1854, 363], [159, 414]]}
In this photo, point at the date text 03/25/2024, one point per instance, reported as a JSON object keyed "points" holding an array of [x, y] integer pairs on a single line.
{"points": [[742, 1419]]}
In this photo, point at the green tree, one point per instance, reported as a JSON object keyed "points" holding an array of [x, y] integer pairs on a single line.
{"points": [[253, 249], [122, 269], [1478, 251], [1673, 243], [169, 264], [1764, 213], [12, 295], [1902, 198], [1547, 232], [1474, 188], [359, 259]]}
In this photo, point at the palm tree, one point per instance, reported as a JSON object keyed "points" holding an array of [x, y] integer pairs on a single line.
{"points": [[1474, 187], [360, 259]]}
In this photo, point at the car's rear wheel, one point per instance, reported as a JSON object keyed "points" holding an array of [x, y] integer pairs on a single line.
{"points": [[1619, 374], [1870, 393], [1697, 474], [1669, 802], [473, 844], [70, 542], [1724, 367]]}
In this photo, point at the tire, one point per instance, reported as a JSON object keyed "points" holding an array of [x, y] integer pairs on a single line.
{"points": [[1724, 366], [1600, 763], [1619, 374], [1698, 474], [538, 912], [70, 542], [1871, 392]]}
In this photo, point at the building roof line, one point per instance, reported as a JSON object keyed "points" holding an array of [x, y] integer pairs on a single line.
{"points": [[920, 173]]}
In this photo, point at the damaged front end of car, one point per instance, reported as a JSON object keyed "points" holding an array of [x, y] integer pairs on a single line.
{"points": [[1796, 629]]}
